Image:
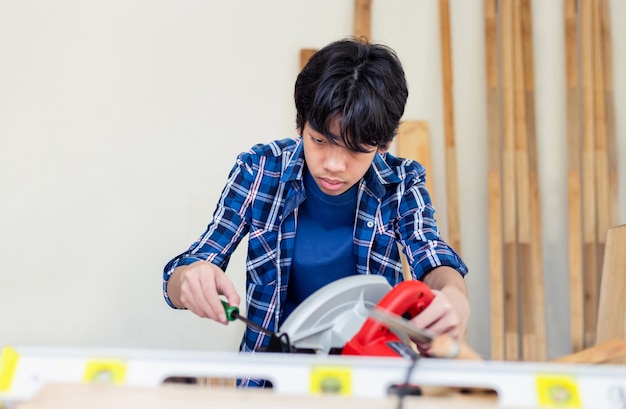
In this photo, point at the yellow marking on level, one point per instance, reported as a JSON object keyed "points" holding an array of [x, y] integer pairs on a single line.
{"points": [[111, 371], [331, 380], [558, 391], [8, 365]]}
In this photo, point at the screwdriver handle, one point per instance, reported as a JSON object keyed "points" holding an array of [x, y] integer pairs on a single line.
{"points": [[232, 312]]}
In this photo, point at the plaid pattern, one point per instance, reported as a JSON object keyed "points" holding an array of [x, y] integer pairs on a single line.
{"points": [[261, 199]]}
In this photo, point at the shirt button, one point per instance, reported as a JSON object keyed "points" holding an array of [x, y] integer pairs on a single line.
{"points": [[370, 224]]}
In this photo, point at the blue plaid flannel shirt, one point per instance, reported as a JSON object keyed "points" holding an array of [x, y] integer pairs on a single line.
{"points": [[261, 199]]}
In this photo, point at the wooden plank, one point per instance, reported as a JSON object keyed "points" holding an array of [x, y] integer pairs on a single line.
{"points": [[600, 135], [452, 188], [413, 142], [522, 191], [363, 19], [612, 303], [590, 241], [604, 352], [305, 56], [511, 283], [494, 181], [574, 176], [536, 276], [607, 51]]}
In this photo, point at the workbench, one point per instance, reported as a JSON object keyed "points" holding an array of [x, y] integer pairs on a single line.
{"points": [[81, 396], [27, 375]]}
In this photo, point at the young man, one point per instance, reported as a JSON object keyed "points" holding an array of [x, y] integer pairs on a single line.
{"points": [[329, 204]]}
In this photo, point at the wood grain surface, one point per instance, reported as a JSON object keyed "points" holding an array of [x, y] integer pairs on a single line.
{"points": [[590, 239], [612, 306], [494, 180], [511, 282], [536, 238], [363, 19], [574, 176], [452, 188]]}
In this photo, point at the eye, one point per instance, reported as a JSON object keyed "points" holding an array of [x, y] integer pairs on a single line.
{"points": [[317, 140]]}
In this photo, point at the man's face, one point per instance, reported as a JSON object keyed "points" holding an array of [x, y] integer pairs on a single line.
{"points": [[334, 168]]}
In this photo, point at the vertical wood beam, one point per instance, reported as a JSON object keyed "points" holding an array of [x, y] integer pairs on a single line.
{"points": [[536, 237], [590, 240], [600, 136], [527, 288], [452, 189], [363, 19], [607, 50], [305, 56], [494, 180], [511, 282], [574, 175]]}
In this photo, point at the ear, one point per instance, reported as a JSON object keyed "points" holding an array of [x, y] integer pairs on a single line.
{"points": [[299, 129]]}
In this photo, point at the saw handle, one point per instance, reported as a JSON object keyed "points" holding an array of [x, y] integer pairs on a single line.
{"points": [[406, 299]]}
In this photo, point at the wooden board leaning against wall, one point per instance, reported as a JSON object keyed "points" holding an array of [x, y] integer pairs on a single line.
{"points": [[413, 142]]}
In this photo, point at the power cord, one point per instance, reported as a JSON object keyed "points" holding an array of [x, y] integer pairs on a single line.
{"points": [[285, 343], [404, 389]]}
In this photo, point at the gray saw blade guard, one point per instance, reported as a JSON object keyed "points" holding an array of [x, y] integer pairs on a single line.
{"points": [[332, 315]]}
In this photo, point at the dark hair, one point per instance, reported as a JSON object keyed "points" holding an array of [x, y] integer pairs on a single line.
{"points": [[362, 85]]}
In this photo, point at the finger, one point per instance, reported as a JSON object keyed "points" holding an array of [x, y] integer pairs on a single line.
{"points": [[198, 298], [428, 317], [448, 324], [211, 303], [437, 309]]}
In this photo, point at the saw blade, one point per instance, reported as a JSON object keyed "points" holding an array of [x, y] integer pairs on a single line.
{"points": [[397, 323]]}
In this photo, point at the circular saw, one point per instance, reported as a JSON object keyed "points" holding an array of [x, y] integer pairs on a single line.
{"points": [[337, 318]]}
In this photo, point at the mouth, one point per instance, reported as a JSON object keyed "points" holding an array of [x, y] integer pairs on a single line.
{"points": [[331, 185]]}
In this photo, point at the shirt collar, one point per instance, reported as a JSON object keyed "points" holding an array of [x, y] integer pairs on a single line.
{"points": [[294, 168], [378, 175]]}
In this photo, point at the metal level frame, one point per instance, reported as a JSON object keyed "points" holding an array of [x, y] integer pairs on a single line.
{"points": [[25, 370]]}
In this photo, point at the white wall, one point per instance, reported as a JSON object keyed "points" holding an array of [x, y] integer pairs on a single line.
{"points": [[119, 121]]}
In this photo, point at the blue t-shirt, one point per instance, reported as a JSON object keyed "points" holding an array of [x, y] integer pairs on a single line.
{"points": [[324, 248]]}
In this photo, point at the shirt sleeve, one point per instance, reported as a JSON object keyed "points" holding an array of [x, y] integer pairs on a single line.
{"points": [[419, 235], [227, 227]]}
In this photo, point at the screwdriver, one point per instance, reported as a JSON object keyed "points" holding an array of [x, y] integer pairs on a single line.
{"points": [[232, 314]]}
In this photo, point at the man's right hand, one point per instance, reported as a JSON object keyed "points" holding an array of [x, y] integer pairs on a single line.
{"points": [[198, 286]]}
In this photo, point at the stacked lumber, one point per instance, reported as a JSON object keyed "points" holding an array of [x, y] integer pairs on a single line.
{"points": [[592, 164], [518, 327], [516, 273]]}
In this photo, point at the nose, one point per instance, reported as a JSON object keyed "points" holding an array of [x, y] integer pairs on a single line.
{"points": [[335, 160]]}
